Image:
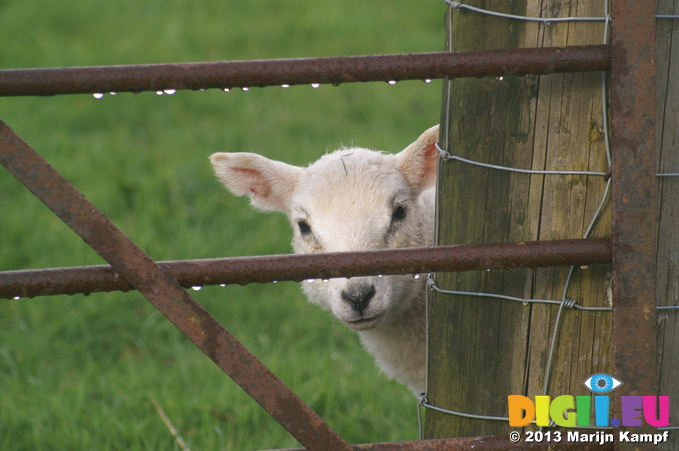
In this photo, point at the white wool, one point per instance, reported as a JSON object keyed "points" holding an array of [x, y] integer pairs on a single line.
{"points": [[353, 200]]}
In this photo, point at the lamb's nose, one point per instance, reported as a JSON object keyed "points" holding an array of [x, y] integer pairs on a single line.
{"points": [[359, 296]]}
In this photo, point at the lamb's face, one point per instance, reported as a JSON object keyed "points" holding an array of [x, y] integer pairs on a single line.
{"points": [[355, 200], [351, 200]]}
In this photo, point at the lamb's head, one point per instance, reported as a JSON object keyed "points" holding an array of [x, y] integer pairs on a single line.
{"points": [[350, 200]]}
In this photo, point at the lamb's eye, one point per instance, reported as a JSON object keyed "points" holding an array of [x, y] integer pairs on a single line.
{"points": [[399, 212], [304, 227]]}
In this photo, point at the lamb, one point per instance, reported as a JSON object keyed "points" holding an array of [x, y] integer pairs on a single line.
{"points": [[356, 199]]}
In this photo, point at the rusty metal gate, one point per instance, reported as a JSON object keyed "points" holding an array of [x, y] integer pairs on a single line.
{"points": [[632, 248]]}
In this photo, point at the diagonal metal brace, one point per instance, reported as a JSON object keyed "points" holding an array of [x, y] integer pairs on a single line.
{"points": [[163, 291]]}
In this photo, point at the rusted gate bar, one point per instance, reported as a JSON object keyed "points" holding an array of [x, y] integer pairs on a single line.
{"points": [[162, 290], [486, 443], [633, 199], [335, 70], [244, 270]]}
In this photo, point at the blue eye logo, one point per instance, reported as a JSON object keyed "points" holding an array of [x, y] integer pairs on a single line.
{"points": [[601, 383]]}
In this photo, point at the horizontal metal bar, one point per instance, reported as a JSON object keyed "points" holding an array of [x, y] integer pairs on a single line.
{"points": [[486, 443], [333, 70], [244, 270], [162, 290]]}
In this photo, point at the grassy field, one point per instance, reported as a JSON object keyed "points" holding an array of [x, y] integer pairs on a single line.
{"points": [[81, 372]]}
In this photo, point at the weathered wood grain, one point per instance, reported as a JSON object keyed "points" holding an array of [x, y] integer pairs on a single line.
{"points": [[667, 145], [482, 350]]}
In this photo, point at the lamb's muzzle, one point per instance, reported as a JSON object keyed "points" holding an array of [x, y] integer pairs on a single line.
{"points": [[358, 296]]}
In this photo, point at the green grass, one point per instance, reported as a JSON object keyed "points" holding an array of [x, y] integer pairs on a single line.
{"points": [[80, 372]]}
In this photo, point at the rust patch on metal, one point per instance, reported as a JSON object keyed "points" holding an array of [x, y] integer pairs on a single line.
{"points": [[634, 228], [487, 443], [162, 290], [333, 70]]}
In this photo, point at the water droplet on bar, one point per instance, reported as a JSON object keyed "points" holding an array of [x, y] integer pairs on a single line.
{"points": [[16, 298], [310, 280], [169, 91], [245, 89], [197, 288], [227, 89], [222, 285], [416, 276], [113, 93], [285, 86], [427, 80], [500, 78], [392, 82], [379, 275], [203, 89], [315, 85], [275, 281], [160, 93], [325, 280], [98, 95]]}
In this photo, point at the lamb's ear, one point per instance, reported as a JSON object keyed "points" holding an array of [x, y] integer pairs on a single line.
{"points": [[418, 161], [269, 183]]}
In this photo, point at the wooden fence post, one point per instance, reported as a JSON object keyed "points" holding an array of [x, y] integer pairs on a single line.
{"points": [[481, 350], [667, 145]]}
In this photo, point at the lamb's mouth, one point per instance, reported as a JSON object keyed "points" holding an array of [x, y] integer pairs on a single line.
{"points": [[365, 323]]}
